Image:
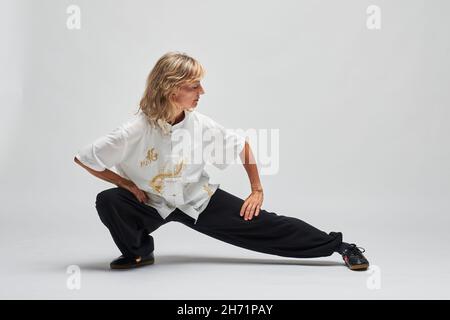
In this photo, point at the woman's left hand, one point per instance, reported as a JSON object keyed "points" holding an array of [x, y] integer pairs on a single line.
{"points": [[252, 205]]}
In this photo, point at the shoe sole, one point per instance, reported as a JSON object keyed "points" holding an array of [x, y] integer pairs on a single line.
{"points": [[363, 266], [133, 266]]}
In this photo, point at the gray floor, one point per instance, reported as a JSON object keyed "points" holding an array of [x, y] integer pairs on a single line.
{"points": [[407, 263]]}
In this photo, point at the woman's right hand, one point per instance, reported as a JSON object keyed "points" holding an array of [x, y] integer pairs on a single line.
{"points": [[133, 188]]}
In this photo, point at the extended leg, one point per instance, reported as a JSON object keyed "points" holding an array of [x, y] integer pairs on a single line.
{"points": [[267, 233]]}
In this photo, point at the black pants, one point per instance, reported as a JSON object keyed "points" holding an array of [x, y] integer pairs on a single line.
{"points": [[131, 222]]}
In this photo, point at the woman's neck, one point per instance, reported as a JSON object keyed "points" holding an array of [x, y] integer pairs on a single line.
{"points": [[178, 118]]}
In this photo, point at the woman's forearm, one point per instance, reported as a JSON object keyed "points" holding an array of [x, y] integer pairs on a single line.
{"points": [[250, 166], [107, 175]]}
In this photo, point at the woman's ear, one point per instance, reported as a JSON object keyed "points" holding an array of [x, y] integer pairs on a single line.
{"points": [[173, 95]]}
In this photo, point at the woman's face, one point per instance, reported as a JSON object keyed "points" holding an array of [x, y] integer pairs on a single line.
{"points": [[188, 95]]}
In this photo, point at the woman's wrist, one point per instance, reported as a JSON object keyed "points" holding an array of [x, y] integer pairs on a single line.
{"points": [[257, 188]]}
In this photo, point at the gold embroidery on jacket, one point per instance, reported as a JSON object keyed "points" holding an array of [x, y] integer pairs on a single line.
{"points": [[152, 155], [207, 189], [157, 183]]}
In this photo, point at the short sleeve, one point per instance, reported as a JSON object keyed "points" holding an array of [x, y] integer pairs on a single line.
{"points": [[228, 144], [105, 152]]}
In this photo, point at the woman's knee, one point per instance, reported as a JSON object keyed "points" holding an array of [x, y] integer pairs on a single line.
{"points": [[106, 197]]}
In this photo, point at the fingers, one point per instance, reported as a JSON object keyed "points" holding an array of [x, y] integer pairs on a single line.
{"points": [[252, 206], [244, 209], [257, 210], [250, 209], [144, 197], [141, 196], [244, 206]]}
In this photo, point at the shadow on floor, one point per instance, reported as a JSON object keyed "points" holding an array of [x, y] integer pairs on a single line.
{"points": [[162, 260]]}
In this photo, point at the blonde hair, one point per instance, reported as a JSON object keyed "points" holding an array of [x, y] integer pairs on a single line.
{"points": [[173, 70]]}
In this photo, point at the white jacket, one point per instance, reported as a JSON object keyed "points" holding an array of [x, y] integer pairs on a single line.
{"points": [[169, 165]]}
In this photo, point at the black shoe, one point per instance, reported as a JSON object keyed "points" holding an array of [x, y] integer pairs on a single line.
{"points": [[354, 259], [128, 263]]}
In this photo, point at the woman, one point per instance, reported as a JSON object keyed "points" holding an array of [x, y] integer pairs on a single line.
{"points": [[161, 179]]}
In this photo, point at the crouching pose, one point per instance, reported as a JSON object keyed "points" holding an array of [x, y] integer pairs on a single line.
{"points": [[159, 158]]}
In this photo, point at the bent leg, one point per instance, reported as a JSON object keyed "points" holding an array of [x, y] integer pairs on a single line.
{"points": [[128, 221], [268, 232]]}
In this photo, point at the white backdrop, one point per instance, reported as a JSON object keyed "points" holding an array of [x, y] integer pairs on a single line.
{"points": [[364, 140]]}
